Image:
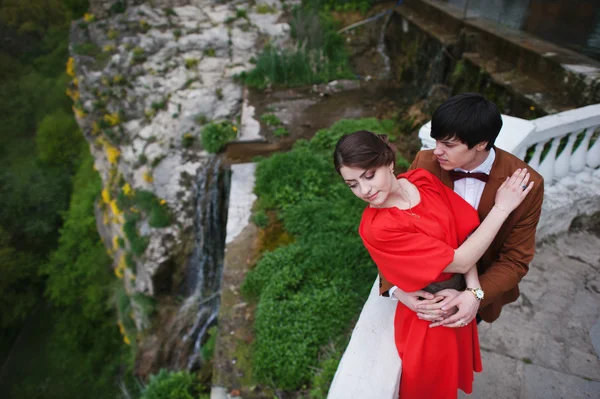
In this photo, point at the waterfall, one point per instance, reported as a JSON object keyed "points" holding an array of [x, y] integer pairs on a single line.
{"points": [[381, 49], [205, 266]]}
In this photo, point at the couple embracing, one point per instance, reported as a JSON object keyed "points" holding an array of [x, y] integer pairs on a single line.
{"points": [[451, 238]]}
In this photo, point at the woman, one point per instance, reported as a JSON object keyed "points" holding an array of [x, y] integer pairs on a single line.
{"points": [[416, 230]]}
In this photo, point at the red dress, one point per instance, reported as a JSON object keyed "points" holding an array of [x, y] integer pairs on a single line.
{"points": [[411, 253]]}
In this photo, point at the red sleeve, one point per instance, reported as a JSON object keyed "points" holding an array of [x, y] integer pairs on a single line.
{"points": [[408, 260], [467, 218]]}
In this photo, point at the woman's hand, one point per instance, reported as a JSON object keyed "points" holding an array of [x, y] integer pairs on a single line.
{"points": [[513, 191], [413, 299]]}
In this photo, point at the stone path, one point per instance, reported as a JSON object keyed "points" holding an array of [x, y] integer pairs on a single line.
{"points": [[547, 344]]}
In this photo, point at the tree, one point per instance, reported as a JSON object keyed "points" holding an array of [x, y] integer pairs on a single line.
{"points": [[19, 284]]}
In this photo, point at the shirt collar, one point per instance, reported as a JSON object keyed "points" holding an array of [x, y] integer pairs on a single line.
{"points": [[485, 167]]}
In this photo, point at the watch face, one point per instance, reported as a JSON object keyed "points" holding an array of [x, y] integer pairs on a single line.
{"points": [[479, 293]]}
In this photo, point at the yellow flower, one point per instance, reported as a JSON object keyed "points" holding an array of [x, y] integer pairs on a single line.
{"points": [[532, 108], [234, 128], [112, 154], [108, 48], [126, 340], [115, 208], [127, 190], [115, 242], [78, 112], [73, 94], [112, 119], [105, 195], [187, 136], [121, 328], [105, 219], [118, 272], [75, 81], [148, 177], [87, 17], [71, 67], [162, 201]]}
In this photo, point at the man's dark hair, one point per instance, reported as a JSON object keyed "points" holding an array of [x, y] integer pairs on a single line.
{"points": [[468, 117]]}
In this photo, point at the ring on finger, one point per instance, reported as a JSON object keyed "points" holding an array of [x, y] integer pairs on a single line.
{"points": [[524, 186]]}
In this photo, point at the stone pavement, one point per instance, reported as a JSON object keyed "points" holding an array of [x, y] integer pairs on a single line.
{"points": [[547, 344]]}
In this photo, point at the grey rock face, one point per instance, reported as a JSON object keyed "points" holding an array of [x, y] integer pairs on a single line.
{"points": [[158, 72]]}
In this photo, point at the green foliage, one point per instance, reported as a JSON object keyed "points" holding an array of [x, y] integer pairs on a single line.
{"points": [[326, 369], [260, 219], [270, 119], [340, 5], [31, 197], [265, 9], [210, 52], [86, 339], [280, 132], [19, 283], [158, 214], [241, 13], [320, 55], [172, 385], [138, 55], [90, 49], [59, 141], [308, 292], [137, 243], [215, 135], [191, 63], [286, 179], [207, 350]]}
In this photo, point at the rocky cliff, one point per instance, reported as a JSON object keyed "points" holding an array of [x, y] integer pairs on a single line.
{"points": [[147, 76]]}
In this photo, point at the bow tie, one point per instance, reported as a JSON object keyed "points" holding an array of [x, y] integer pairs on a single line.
{"points": [[456, 175]]}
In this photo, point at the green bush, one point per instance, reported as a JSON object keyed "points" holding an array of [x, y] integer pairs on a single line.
{"points": [[280, 132], [270, 119], [215, 135], [172, 385], [309, 292], [137, 243], [260, 219]]}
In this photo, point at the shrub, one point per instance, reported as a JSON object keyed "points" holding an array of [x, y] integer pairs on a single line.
{"points": [[137, 243], [215, 135], [270, 119], [280, 132], [310, 291], [172, 385], [260, 219]]}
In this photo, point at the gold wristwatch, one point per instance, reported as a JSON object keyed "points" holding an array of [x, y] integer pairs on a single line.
{"points": [[478, 292]]}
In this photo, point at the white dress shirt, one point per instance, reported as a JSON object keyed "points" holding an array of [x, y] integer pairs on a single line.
{"points": [[469, 189]]}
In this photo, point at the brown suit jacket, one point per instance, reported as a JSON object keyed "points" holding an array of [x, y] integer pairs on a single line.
{"points": [[507, 259]]}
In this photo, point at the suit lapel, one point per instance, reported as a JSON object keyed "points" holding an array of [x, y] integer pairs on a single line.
{"points": [[488, 196]]}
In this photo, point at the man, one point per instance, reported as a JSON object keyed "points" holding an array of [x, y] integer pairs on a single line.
{"points": [[465, 128]]}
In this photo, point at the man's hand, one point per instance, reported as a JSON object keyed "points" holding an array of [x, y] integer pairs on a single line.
{"points": [[438, 310], [467, 305], [411, 299]]}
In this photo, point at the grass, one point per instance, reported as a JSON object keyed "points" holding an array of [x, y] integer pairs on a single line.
{"points": [[319, 56]]}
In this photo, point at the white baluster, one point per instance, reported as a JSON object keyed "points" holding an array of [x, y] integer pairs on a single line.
{"points": [[521, 154], [563, 161], [534, 162], [593, 155], [547, 166], [578, 158]]}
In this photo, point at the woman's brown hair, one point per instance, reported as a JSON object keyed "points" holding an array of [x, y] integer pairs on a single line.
{"points": [[364, 150]]}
